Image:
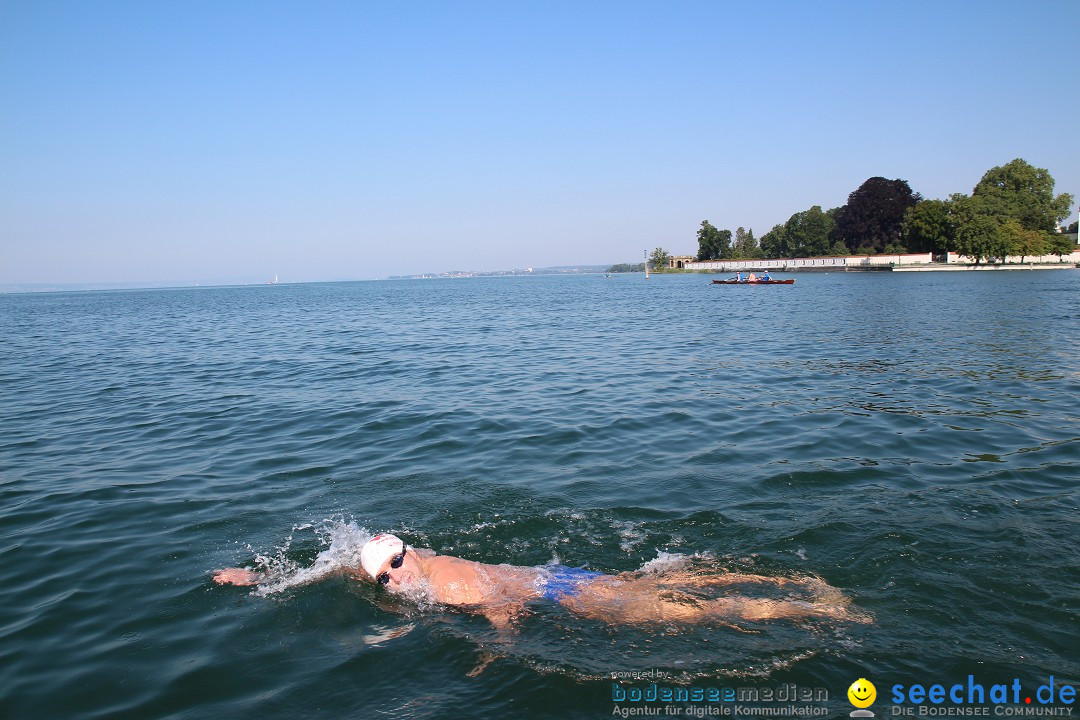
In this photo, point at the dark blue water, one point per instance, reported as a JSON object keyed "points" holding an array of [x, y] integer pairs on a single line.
{"points": [[913, 439]]}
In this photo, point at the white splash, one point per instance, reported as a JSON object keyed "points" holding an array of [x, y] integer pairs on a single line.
{"points": [[630, 535], [665, 562], [342, 542]]}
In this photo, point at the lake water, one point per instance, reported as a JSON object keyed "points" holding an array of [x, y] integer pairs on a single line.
{"points": [[913, 439]]}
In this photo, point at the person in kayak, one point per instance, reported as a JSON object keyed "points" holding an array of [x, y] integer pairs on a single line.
{"points": [[500, 592]]}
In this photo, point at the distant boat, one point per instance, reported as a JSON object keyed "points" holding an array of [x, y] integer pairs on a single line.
{"points": [[754, 282], [274, 281]]}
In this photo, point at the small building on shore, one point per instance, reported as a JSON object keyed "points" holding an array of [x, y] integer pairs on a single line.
{"points": [[678, 262]]}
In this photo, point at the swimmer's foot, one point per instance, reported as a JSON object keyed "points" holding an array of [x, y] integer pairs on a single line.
{"points": [[485, 660], [842, 613], [835, 609], [832, 602], [825, 593], [381, 634]]}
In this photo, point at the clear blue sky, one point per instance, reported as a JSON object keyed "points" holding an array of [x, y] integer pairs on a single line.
{"points": [[216, 141]]}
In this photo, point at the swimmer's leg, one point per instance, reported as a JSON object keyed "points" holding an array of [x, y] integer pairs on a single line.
{"points": [[738, 578], [685, 579], [766, 609]]}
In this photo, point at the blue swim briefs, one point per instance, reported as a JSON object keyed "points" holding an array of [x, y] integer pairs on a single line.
{"points": [[566, 581]]}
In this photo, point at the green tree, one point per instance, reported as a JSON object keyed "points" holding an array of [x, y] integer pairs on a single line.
{"points": [[774, 244], [738, 243], [927, 228], [808, 232], [753, 249], [1012, 211], [1023, 242], [712, 242], [659, 259], [745, 245], [725, 244], [979, 238], [1060, 244], [977, 228], [834, 236], [839, 249], [1023, 192]]}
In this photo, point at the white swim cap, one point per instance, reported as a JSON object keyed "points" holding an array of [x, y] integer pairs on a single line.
{"points": [[378, 550]]}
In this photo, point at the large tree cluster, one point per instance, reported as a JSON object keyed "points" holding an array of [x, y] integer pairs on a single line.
{"points": [[717, 244], [871, 222], [1012, 211], [713, 243]]}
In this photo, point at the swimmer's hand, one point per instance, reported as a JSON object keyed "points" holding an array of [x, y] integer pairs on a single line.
{"points": [[237, 576], [504, 617]]}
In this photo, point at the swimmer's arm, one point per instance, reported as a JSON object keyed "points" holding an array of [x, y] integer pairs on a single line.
{"points": [[503, 617], [244, 576]]}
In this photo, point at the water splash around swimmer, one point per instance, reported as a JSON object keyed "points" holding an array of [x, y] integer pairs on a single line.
{"points": [[341, 541]]}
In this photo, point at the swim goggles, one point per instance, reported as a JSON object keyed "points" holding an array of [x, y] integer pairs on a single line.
{"points": [[384, 577]]}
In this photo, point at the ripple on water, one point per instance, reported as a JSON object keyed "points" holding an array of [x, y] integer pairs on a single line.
{"points": [[923, 461]]}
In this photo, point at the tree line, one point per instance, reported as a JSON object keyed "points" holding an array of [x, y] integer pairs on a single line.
{"points": [[1011, 211], [628, 268]]}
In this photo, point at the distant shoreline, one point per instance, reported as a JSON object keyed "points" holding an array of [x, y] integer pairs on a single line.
{"points": [[572, 270], [554, 270]]}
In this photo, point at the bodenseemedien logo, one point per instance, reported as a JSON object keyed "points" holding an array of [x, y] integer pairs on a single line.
{"points": [[861, 694]]}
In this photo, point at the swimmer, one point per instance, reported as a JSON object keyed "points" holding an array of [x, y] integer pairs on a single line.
{"points": [[500, 592]]}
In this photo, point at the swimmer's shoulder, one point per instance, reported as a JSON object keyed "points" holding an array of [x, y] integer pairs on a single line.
{"points": [[455, 581], [462, 570]]}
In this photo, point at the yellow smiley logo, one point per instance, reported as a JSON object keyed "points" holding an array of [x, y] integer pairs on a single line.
{"points": [[862, 693]]}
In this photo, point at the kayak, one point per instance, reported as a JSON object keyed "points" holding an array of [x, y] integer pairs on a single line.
{"points": [[754, 282]]}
